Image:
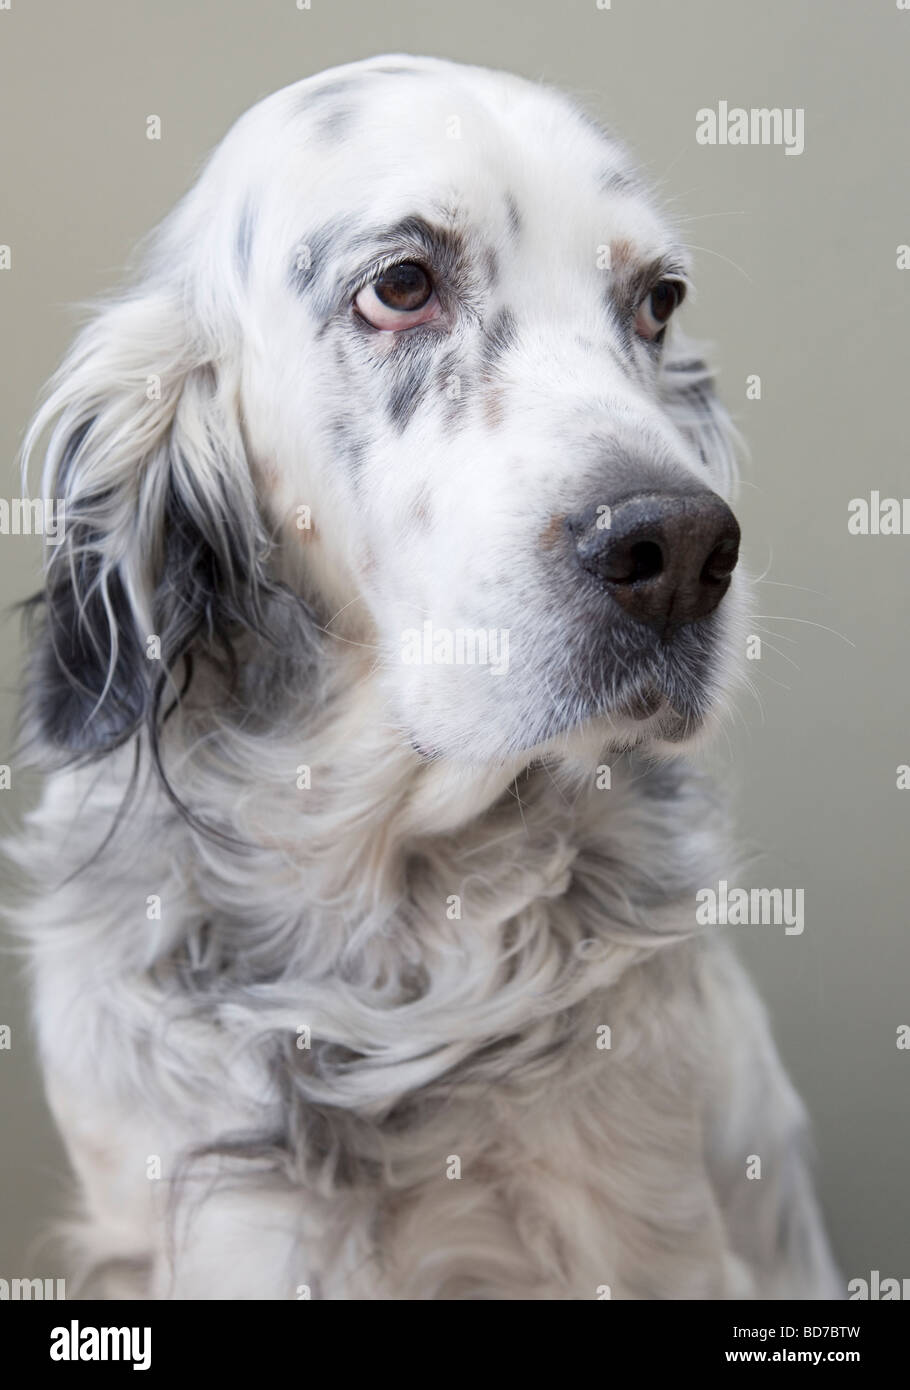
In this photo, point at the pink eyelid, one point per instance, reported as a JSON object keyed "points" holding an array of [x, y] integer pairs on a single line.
{"points": [[393, 320], [643, 325]]}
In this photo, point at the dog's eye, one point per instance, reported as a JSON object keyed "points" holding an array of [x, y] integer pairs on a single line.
{"points": [[654, 312], [400, 297], [406, 287]]}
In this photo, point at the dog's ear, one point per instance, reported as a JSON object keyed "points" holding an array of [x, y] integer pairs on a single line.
{"points": [[688, 392], [163, 556]]}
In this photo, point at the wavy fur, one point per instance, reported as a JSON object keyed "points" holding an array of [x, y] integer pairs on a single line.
{"points": [[395, 908]]}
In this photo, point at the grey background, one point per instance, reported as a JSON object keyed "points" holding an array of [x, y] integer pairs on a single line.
{"points": [[796, 267]]}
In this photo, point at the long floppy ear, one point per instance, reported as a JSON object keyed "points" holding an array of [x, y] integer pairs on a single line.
{"points": [[688, 393], [164, 552]]}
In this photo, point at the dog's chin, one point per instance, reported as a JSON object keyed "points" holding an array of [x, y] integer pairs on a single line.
{"points": [[661, 728], [648, 722], [663, 719], [652, 713], [645, 717]]}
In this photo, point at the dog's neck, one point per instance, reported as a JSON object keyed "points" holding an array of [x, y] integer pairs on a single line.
{"points": [[350, 819], [364, 888]]}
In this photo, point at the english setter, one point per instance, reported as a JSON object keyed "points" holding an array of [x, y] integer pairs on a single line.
{"points": [[397, 578]]}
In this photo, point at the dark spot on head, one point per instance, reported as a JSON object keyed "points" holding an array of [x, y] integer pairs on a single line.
{"points": [[694, 365], [334, 125], [331, 107], [499, 336], [310, 259], [350, 444], [514, 217], [311, 100], [448, 369], [690, 388], [243, 240], [491, 261], [401, 71], [450, 382], [412, 372], [618, 181]]}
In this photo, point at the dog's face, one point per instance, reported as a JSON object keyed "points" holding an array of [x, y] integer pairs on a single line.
{"points": [[463, 301], [465, 406]]}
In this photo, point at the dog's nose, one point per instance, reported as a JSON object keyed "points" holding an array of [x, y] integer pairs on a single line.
{"points": [[666, 558]]}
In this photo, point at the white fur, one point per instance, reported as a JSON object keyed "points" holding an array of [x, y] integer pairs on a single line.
{"points": [[433, 1037]]}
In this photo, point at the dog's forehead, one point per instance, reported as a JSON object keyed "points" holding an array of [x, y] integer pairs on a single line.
{"points": [[428, 99], [390, 138]]}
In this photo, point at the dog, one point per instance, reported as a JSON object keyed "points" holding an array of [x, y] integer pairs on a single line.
{"points": [[398, 580]]}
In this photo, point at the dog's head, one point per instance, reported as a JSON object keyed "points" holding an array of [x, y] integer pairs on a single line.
{"points": [[405, 368]]}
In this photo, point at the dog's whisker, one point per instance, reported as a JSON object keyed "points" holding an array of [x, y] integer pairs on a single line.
{"points": [[805, 589], [771, 646], [808, 622], [358, 598], [707, 251]]}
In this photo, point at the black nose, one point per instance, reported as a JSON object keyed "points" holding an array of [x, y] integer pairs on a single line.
{"points": [[666, 558]]}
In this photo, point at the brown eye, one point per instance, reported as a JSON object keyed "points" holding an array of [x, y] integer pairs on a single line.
{"points": [[664, 299], [655, 311], [404, 287]]}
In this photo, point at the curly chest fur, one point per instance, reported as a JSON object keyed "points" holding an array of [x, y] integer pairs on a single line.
{"points": [[511, 1078]]}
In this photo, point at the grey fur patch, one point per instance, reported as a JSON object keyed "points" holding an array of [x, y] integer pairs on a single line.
{"points": [[450, 369], [329, 91], [243, 241], [699, 402], [514, 217], [413, 238], [499, 336], [688, 389], [698, 392], [689, 365], [388, 71], [443, 247], [349, 443], [335, 125], [310, 261], [618, 181], [410, 383]]}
